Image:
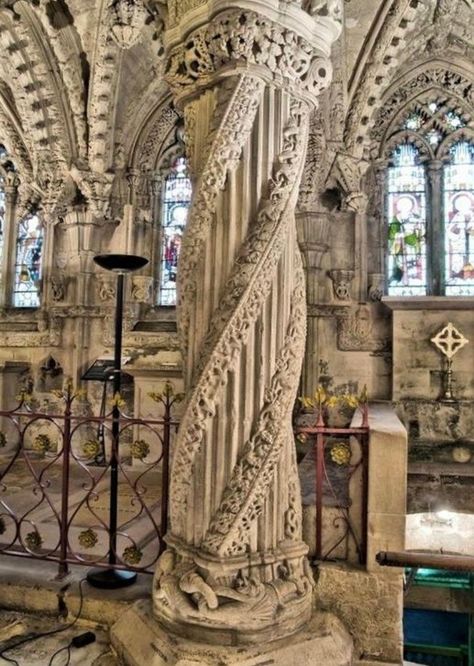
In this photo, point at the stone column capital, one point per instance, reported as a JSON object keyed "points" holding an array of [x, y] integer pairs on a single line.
{"points": [[313, 232], [287, 48]]}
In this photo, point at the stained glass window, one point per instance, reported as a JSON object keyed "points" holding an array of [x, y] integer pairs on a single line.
{"points": [[459, 220], [29, 243], [175, 205], [407, 223]]}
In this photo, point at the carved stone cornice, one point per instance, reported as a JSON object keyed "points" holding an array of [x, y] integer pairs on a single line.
{"points": [[237, 37], [326, 310], [48, 333]]}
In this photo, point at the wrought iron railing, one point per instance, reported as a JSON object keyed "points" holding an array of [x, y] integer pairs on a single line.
{"points": [[54, 496], [339, 448]]}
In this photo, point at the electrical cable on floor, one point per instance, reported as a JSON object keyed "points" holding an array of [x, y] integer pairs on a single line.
{"points": [[53, 657], [44, 634]]}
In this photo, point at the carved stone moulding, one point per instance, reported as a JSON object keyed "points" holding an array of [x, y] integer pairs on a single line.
{"points": [[376, 286], [127, 18], [239, 38], [208, 599], [355, 332], [142, 288]]}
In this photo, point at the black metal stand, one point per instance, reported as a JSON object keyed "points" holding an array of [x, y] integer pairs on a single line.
{"points": [[112, 578]]}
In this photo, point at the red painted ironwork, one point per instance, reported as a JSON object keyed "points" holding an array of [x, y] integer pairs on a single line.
{"points": [[63, 521], [320, 432]]}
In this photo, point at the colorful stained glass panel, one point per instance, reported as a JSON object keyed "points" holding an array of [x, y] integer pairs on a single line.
{"points": [[29, 244], [175, 205], [459, 220], [406, 209]]}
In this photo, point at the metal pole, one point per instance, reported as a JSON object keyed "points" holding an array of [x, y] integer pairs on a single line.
{"points": [[404, 558], [114, 578], [63, 566], [114, 455], [166, 468], [319, 492]]}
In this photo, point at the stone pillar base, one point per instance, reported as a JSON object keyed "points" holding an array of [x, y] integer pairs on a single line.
{"points": [[140, 640]]}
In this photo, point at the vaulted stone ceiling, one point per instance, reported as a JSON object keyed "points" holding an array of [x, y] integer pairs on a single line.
{"points": [[80, 80]]}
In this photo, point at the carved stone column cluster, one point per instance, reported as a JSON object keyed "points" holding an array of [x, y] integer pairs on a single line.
{"points": [[235, 569]]}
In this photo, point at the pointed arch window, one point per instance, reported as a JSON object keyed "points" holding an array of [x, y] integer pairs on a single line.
{"points": [[430, 202], [176, 200], [407, 274], [459, 220], [21, 244], [27, 272]]}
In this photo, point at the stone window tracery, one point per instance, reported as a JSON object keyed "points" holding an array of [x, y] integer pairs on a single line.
{"points": [[175, 204], [21, 243], [429, 200]]}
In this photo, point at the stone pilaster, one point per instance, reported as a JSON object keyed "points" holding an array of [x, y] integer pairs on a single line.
{"points": [[235, 569], [313, 235]]}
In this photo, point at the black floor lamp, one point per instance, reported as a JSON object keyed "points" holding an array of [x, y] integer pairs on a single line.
{"points": [[114, 578]]}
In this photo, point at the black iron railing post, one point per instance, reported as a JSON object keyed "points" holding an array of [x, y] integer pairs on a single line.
{"points": [[166, 471], [63, 568]]}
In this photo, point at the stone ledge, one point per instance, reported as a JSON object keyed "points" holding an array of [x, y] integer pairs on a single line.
{"points": [[323, 641], [31, 586]]}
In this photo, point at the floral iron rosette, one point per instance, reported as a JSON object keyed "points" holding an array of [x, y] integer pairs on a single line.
{"points": [[132, 555], [88, 538], [139, 449], [43, 444], [91, 448]]}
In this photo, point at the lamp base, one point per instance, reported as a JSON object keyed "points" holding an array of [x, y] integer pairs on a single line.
{"points": [[111, 579]]}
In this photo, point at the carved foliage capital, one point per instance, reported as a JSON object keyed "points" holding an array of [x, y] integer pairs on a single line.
{"points": [[238, 38]]}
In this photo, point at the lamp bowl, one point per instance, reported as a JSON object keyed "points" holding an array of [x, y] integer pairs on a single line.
{"points": [[120, 263]]}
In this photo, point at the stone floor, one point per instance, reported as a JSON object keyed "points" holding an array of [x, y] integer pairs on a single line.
{"points": [[16, 626], [32, 599]]}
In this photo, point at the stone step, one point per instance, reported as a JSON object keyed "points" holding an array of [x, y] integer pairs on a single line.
{"points": [[323, 641]]}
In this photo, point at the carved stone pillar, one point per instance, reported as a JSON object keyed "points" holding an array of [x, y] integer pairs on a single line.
{"points": [[235, 570], [9, 241], [313, 235], [358, 203]]}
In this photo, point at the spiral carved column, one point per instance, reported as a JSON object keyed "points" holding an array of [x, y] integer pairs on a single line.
{"points": [[235, 569]]}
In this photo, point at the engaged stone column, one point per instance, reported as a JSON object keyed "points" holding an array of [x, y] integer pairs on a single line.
{"points": [[235, 570]]}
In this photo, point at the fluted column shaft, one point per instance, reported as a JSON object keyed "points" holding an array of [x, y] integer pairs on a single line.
{"points": [[235, 556]]}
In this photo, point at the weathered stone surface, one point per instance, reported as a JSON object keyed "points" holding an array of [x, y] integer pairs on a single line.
{"points": [[324, 640], [369, 604]]}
